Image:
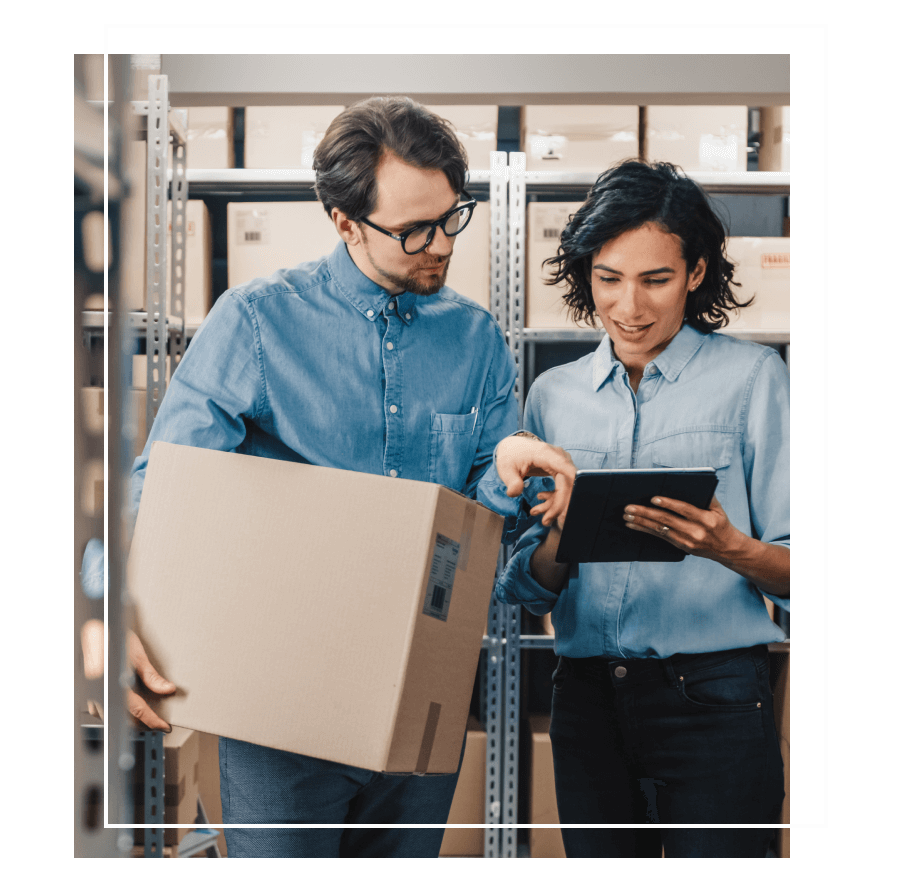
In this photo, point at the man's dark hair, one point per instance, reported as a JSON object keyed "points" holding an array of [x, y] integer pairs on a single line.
{"points": [[347, 157], [627, 196]]}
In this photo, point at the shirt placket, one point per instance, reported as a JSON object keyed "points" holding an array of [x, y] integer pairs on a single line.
{"points": [[393, 389]]}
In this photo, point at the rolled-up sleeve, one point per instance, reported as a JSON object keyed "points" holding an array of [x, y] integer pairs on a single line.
{"points": [[766, 456]]}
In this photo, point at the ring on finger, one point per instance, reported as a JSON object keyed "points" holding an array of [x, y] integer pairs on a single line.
{"points": [[664, 530]]}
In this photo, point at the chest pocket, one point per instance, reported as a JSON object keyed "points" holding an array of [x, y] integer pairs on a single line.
{"points": [[454, 441], [694, 449], [585, 459]]}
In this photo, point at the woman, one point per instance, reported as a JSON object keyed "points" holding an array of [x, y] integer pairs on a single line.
{"points": [[662, 710]]}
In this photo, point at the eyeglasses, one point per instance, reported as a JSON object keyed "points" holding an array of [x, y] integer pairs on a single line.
{"points": [[418, 238]]}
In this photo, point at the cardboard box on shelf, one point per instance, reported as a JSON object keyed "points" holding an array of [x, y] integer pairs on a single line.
{"points": [[570, 138], [544, 307], [210, 793], [285, 137], [476, 128], [210, 137], [92, 410], [775, 139], [383, 677], [470, 264], [181, 750], [198, 292], [763, 269], [698, 138], [468, 799], [544, 842], [547, 624], [92, 488], [139, 371], [265, 237]]}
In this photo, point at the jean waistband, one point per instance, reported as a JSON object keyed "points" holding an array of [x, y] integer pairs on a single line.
{"points": [[647, 668]]}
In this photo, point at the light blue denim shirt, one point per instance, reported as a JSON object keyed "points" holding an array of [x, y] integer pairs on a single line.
{"points": [[318, 364], [706, 400]]}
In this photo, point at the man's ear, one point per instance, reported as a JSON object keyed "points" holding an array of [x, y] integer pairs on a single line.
{"points": [[349, 231]]}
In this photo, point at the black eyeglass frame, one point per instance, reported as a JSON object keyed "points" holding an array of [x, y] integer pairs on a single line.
{"points": [[440, 222]]}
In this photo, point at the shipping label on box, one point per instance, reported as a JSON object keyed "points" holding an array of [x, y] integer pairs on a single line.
{"points": [[544, 307], [698, 138], [763, 269], [375, 682]]}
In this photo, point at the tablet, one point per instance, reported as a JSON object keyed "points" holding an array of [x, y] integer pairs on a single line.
{"points": [[594, 530]]}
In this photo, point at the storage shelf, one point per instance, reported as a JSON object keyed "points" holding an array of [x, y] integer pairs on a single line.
{"points": [[712, 182], [95, 320], [589, 335]]}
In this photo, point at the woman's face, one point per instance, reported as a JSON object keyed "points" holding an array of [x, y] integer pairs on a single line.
{"points": [[640, 284]]}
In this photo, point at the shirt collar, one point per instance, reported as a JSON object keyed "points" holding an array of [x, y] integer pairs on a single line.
{"points": [[365, 295], [670, 362]]}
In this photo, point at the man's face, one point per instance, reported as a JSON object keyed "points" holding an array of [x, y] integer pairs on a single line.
{"points": [[406, 196]]}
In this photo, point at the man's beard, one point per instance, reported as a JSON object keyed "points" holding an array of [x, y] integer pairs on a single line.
{"points": [[411, 283]]}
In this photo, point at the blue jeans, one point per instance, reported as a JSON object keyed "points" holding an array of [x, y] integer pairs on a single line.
{"points": [[262, 785], [688, 739]]}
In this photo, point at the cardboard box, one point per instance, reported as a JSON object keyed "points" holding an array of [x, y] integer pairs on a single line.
{"points": [[763, 269], [544, 307], [544, 842], [92, 410], [139, 371], [475, 126], [285, 137], [468, 800], [265, 237], [198, 290], [387, 581], [775, 139], [578, 137], [698, 138], [210, 792], [470, 264], [210, 137], [92, 488]]}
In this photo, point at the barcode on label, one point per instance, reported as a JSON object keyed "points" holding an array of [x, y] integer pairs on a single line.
{"points": [[441, 578], [252, 236], [437, 598], [551, 232]]}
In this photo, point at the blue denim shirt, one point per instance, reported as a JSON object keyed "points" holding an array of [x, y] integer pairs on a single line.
{"points": [[318, 364], [706, 400]]}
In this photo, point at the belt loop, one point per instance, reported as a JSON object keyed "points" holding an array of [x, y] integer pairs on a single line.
{"points": [[669, 669]]}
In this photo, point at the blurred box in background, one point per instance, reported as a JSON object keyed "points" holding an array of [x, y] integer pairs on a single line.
{"points": [[470, 264], [763, 269], [210, 137], [284, 137], [265, 237], [697, 138], [544, 307], [468, 799], [775, 139], [544, 842], [578, 137], [198, 291]]}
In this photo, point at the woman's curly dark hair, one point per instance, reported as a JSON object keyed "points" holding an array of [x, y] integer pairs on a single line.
{"points": [[627, 196]]}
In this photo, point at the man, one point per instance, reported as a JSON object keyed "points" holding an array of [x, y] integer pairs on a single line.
{"points": [[362, 360]]}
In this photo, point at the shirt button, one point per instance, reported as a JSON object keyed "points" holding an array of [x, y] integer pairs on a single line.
{"points": [[370, 313], [393, 474], [390, 305], [408, 316], [393, 409], [621, 672], [390, 346]]}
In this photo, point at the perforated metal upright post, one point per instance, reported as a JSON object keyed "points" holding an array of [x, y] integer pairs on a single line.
{"points": [[511, 648], [493, 683], [179, 249]]}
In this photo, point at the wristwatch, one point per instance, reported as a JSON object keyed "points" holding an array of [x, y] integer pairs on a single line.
{"points": [[528, 435]]}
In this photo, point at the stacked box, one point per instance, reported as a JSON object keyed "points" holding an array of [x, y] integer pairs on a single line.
{"points": [[470, 264], [210, 137], [544, 842], [698, 138], [763, 269], [284, 137], [210, 793], [578, 138], [775, 139], [468, 799]]}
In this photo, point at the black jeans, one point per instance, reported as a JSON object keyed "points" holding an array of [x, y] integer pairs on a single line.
{"points": [[689, 739]]}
